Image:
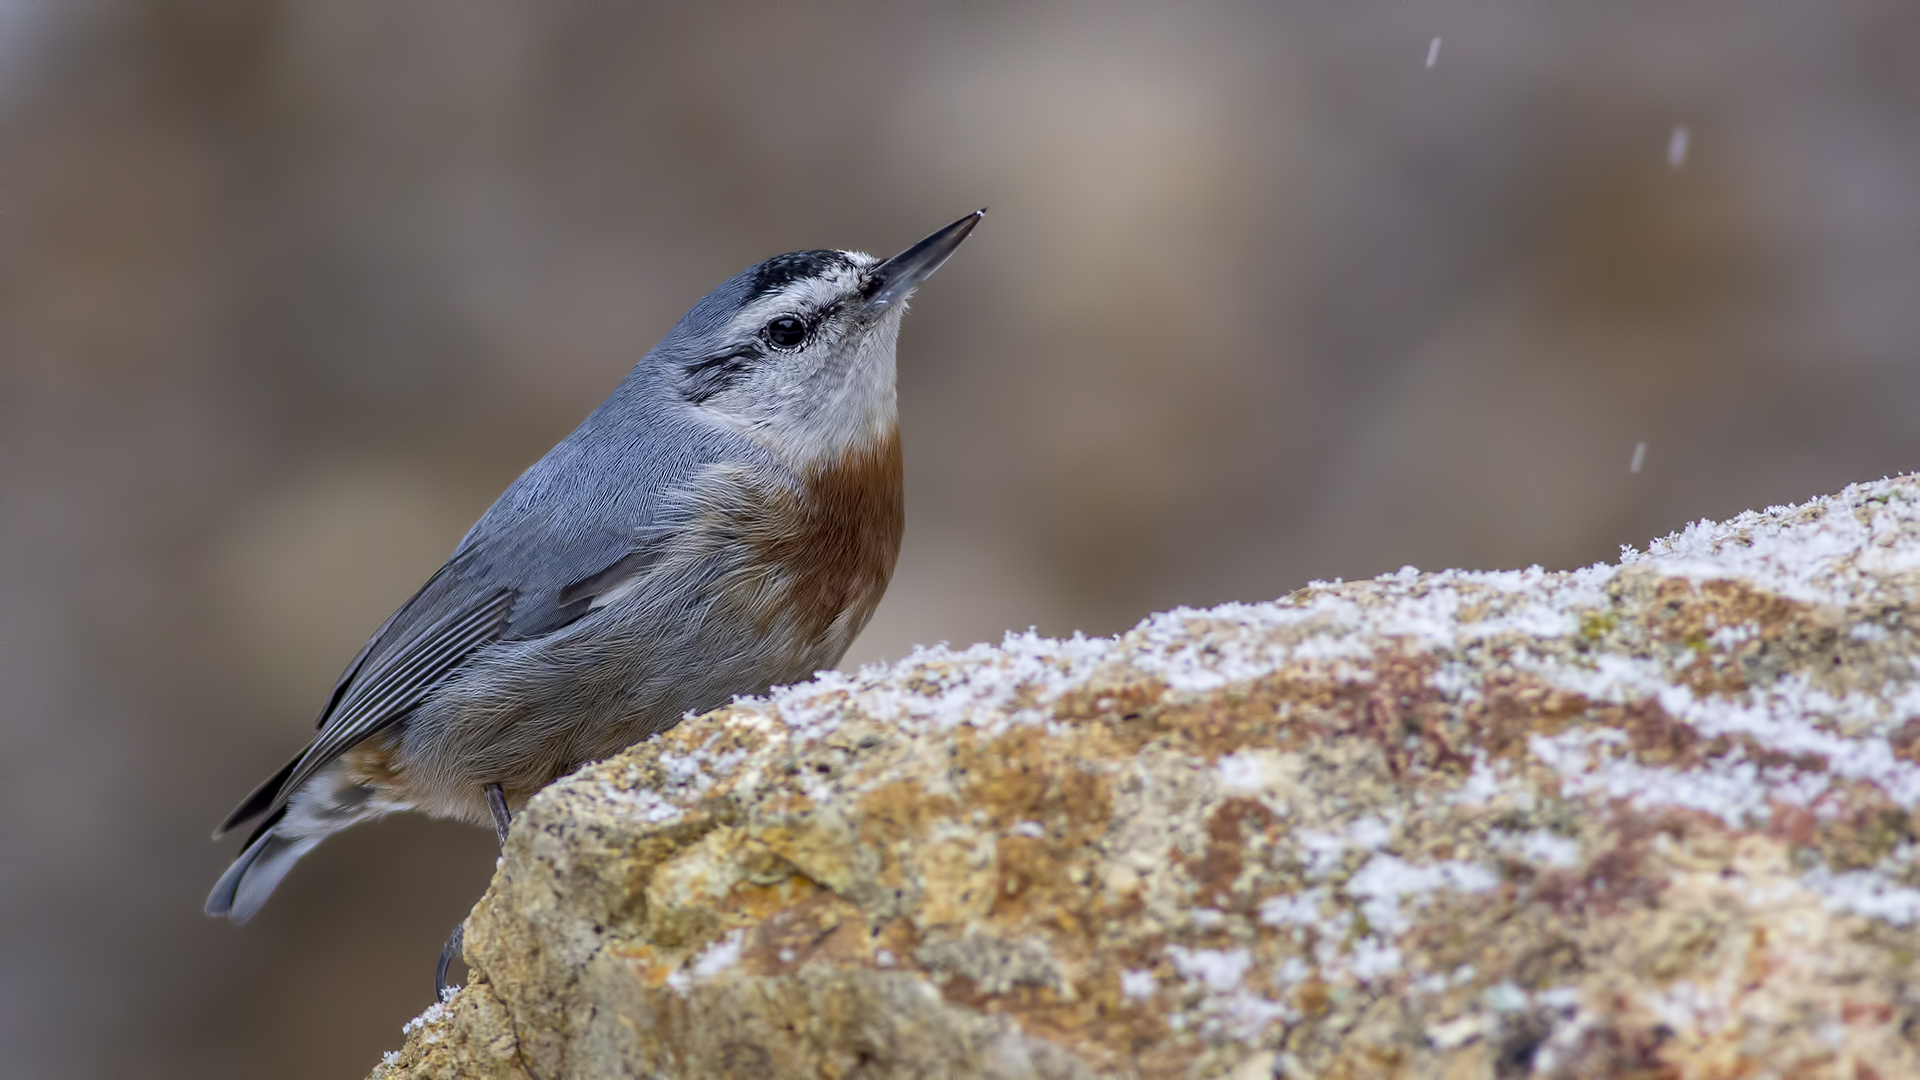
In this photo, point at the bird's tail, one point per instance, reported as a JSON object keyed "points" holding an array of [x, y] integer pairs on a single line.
{"points": [[324, 805], [252, 877]]}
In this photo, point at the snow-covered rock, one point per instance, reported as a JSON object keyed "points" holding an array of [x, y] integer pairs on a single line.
{"points": [[1655, 818]]}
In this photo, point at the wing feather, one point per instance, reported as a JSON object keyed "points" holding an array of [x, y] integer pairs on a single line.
{"points": [[400, 679]]}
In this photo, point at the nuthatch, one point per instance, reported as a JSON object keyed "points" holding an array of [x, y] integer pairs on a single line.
{"points": [[724, 522]]}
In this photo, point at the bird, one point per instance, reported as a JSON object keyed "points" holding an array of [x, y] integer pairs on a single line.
{"points": [[724, 522]]}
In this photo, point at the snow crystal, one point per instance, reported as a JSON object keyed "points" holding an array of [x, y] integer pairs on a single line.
{"points": [[1243, 772], [434, 1014], [641, 801], [1734, 790], [1373, 958], [1790, 717], [1379, 888], [1299, 909], [1482, 785], [1385, 881], [1728, 638], [1539, 846], [1559, 997], [1505, 996], [1814, 553], [1248, 1014], [712, 960], [1439, 982], [719, 956], [1138, 985], [1866, 892], [1291, 971], [988, 687], [1369, 832], [1220, 969], [1690, 1006]]}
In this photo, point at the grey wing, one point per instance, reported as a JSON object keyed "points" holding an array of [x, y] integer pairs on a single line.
{"points": [[397, 669], [418, 647], [552, 551], [402, 676]]}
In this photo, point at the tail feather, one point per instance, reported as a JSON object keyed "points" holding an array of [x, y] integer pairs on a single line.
{"points": [[257, 801], [240, 892], [330, 801]]}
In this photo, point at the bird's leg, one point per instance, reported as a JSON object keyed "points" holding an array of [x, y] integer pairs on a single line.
{"points": [[502, 819], [455, 944], [497, 802]]}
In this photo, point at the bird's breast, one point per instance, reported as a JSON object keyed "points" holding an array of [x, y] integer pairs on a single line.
{"points": [[828, 545]]}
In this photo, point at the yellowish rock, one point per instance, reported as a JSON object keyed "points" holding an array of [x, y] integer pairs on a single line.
{"points": [[1651, 819]]}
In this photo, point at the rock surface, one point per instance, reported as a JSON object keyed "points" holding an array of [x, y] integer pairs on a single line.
{"points": [[1652, 819]]}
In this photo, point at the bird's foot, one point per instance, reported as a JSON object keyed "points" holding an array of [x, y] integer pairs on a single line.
{"points": [[456, 943], [497, 803]]}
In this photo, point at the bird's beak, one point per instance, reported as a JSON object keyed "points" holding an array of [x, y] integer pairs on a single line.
{"points": [[891, 281]]}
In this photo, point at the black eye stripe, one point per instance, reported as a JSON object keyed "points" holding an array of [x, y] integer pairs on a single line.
{"points": [[703, 378], [707, 377]]}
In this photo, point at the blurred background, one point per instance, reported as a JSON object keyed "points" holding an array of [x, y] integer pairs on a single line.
{"points": [[295, 287]]}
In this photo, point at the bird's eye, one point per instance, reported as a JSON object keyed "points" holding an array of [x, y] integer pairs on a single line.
{"points": [[786, 332]]}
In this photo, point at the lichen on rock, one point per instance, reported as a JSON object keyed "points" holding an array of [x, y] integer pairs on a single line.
{"points": [[1655, 818]]}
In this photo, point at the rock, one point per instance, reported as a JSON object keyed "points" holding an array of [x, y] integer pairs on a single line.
{"points": [[1653, 819]]}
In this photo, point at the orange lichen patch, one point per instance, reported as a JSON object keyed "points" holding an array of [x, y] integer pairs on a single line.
{"points": [[648, 964], [1395, 701], [1513, 707], [1034, 886], [1024, 775], [957, 889], [1683, 611], [1248, 716], [818, 928], [1313, 998], [895, 937], [1400, 709], [815, 848], [1905, 741], [755, 902], [900, 811], [1656, 737], [1110, 701], [1217, 871], [785, 803], [1765, 631], [1090, 1017], [894, 821]]}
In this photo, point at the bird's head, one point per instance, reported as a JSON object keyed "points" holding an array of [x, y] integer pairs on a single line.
{"points": [[798, 352]]}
